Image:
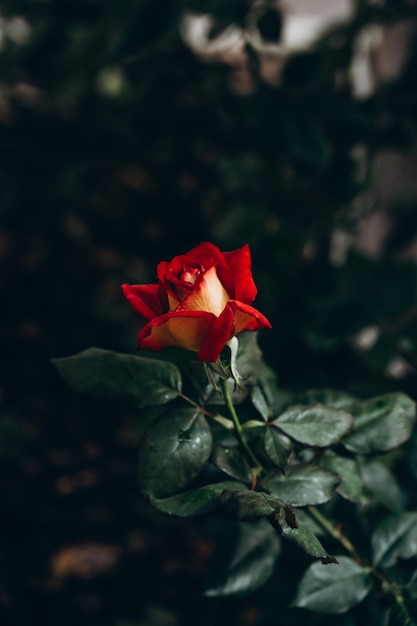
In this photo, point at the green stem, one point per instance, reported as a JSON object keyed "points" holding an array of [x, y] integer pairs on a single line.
{"points": [[333, 532], [238, 427]]}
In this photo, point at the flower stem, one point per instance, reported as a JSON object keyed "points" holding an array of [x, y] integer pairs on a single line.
{"points": [[257, 467]]}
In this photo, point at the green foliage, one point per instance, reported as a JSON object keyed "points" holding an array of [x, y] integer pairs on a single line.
{"points": [[135, 381], [317, 448], [308, 542], [196, 501], [352, 485], [333, 589], [176, 448], [277, 447], [328, 398], [395, 538], [230, 461], [317, 425], [248, 506], [246, 563], [382, 484], [381, 424], [302, 485]]}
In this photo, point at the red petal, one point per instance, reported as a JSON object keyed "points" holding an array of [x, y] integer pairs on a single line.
{"points": [[147, 300], [221, 331], [161, 270], [207, 254], [186, 330], [239, 265], [247, 318]]}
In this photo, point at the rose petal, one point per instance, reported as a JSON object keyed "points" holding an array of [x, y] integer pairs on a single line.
{"points": [[219, 334], [169, 275], [173, 302], [247, 317], [161, 270], [207, 255], [239, 265], [147, 300], [187, 329], [208, 295]]}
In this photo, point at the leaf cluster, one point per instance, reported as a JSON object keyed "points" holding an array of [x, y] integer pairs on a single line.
{"points": [[311, 455]]}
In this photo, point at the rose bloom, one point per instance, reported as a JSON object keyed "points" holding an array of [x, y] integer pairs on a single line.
{"points": [[201, 301]]}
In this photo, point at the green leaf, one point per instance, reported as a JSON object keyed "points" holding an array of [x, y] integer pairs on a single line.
{"points": [[260, 403], [131, 380], [333, 589], [382, 484], [307, 541], [196, 501], [248, 506], [381, 424], [395, 537], [277, 446], [316, 425], [174, 451], [303, 485], [351, 484], [231, 462], [328, 397], [245, 561], [276, 398], [249, 356]]}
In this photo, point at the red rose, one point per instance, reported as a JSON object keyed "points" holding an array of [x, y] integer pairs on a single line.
{"points": [[201, 301]]}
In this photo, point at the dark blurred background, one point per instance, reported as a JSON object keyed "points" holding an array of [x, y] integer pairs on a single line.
{"points": [[130, 132]]}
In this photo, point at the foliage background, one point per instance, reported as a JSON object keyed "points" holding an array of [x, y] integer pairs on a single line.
{"points": [[120, 148]]}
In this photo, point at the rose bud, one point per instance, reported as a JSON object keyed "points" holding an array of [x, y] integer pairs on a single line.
{"points": [[201, 301]]}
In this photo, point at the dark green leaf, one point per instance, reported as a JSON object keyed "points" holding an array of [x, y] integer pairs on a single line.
{"points": [[249, 357], [174, 451], [247, 560], [303, 485], [260, 403], [382, 484], [277, 446], [276, 398], [307, 541], [194, 502], [131, 380], [248, 506], [333, 588], [381, 424], [231, 462], [316, 425], [395, 537], [351, 484], [328, 397]]}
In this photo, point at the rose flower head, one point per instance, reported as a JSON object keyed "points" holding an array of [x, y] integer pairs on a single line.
{"points": [[202, 300]]}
